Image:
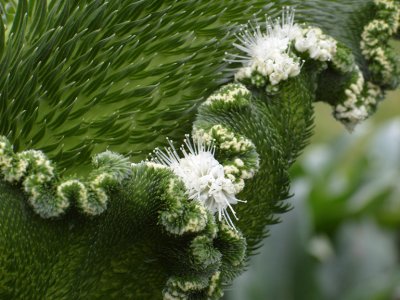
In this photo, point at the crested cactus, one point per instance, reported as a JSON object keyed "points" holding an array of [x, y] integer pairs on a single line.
{"points": [[128, 82]]}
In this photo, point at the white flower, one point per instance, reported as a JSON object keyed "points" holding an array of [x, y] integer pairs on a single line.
{"points": [[355, 107], [267, 50], [271, 44], [203, 176], [316, 43]]}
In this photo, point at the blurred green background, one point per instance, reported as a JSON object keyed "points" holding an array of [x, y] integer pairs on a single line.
{"points": [[341, 240]]}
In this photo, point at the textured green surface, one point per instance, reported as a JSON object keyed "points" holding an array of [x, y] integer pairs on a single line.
{"points": [[76, 257], [279, 126], [123, 75]]}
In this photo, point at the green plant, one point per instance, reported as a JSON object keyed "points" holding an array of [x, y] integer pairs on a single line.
{"points": [[81, 77], [341, 239]]}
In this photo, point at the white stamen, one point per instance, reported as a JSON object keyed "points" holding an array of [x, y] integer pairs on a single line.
{"points": [[203, 176], [267, 48]]}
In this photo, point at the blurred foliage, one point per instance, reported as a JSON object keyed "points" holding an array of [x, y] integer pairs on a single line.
{"points": [[355, 176], [341, 240]]}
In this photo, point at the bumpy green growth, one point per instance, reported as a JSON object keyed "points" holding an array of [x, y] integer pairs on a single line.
{"points": [[344, 59], [81, 77], [237, 153], [375, 43], [353, 94], [49, 195], [182, 216]]}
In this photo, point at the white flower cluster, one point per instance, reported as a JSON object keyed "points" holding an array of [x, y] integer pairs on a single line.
{"points": [[349, 112], [228, 140], [394, 8], [203, 176], [275, 69], [380, 57], [370, 35], [373, 94], [374, 38], [269, 53], [240, 167], [237, 174], [318, 45], [360, 99]]}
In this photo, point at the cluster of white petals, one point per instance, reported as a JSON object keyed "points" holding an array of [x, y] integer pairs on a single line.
{"points": [[268, 52], [318, 45], [373, 51], [203, 176], [390, 5], [359, 99], [349, 112]]}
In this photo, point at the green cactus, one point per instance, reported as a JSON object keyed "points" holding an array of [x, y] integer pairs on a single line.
{"points": [[112, 80]]}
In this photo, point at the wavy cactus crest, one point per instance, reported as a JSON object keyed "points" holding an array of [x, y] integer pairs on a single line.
{"points": [[112, 80]]}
